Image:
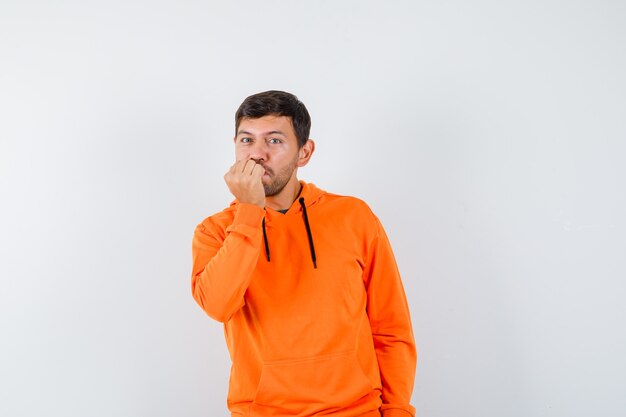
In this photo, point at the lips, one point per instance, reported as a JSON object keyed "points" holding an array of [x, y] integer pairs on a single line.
{"points": [[268, 171]]}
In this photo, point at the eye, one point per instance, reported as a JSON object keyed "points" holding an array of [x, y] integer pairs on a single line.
{"points": [[274, 141], [245, 140]]}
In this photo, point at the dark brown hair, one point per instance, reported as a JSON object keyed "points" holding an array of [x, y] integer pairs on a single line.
{"points": [[279, 103]]}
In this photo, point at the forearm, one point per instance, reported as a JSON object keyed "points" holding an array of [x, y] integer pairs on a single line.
{"points": [[222, 270]]}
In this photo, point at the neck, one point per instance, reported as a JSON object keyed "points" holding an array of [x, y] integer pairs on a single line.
{"points": [[286, 197]]}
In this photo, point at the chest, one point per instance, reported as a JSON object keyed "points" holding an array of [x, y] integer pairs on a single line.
{"points": [[289, 277]]}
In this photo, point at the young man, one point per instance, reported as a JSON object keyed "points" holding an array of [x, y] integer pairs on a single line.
{"points": [[315, 316]]}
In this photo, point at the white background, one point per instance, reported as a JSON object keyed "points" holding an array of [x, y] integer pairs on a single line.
{"points": [[488, 136]]}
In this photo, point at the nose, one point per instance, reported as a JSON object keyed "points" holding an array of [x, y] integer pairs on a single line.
{"points": [[258, 152]]}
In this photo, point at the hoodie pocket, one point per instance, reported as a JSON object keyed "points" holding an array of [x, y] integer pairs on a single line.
{"points": [[321, 383]]}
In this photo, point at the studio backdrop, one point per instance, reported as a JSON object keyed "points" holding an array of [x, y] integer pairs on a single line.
{"points": [[488, 137]]}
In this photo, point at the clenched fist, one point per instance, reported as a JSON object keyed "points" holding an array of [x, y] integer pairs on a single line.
{"points": [[244, 182]]}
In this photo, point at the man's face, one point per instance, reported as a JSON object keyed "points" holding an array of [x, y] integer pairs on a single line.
{"points": [[271, 142]]}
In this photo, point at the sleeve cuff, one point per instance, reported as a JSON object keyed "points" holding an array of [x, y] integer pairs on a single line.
{"points": [[249, 214]]}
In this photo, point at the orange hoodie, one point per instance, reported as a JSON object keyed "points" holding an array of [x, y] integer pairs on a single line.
{"points": [[315, 316]]}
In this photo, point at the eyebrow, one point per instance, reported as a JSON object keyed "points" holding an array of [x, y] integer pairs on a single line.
{"points": [[273, 132]]}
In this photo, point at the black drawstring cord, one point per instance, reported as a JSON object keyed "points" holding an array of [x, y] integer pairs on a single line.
{"points": [[267, 245], [308, 231]]}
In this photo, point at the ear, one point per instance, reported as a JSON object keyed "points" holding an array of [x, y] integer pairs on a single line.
{"points": [[304, 154]]}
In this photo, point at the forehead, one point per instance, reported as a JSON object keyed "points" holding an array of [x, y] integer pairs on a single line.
{"points": [[267, 124]]}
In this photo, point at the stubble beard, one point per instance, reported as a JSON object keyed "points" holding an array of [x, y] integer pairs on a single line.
{"points": [[280, 180]]}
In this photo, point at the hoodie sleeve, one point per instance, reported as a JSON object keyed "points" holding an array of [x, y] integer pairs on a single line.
{"points": [[392, 331], [223, 265]]}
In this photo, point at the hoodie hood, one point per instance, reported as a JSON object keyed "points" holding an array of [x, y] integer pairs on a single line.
{"points": [[311, 194], [308, 197]]}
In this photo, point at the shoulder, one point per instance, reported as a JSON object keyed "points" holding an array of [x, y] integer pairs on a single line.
{"points": [[217, 223], [350, 206], [346, 200]]}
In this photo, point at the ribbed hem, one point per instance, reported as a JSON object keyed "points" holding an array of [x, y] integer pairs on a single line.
{"points": [[249, 214]]}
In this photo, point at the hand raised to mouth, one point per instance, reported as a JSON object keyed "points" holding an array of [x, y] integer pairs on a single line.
{"points": [[244, 182]]}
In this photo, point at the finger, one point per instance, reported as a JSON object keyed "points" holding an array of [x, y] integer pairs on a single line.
{"points": [[249, 167], [258, 171], [236, 167], [242, 167]]}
